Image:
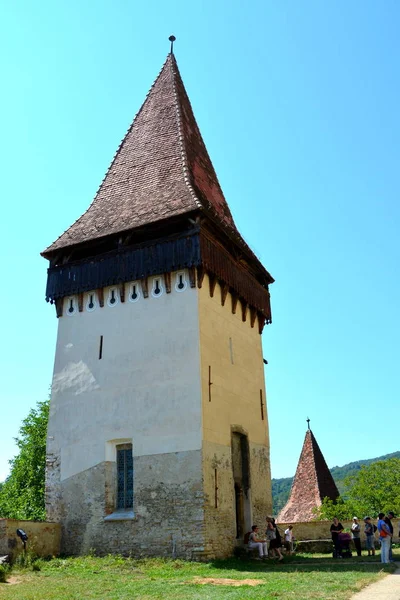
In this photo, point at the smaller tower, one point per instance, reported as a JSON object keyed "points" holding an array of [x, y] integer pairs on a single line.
{"points": [[311, 484]]}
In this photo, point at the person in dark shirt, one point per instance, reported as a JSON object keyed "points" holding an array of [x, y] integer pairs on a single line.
{"points": [[336, 528]]}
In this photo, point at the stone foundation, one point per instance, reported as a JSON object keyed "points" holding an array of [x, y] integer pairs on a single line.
{"points": [[168, 509]]}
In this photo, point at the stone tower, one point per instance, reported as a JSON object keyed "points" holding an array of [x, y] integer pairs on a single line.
{"points": [[311, 484], [158, 433]]}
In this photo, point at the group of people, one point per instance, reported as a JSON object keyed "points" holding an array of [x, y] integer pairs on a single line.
{"points": [[270, 545], [341, 538]]}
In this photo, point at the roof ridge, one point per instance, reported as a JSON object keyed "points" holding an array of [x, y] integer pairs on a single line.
{"points": [[181, 137], [116, 153]]}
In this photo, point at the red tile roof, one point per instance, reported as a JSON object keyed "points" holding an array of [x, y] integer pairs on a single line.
{"points": [[161, 170], [312, 482]]}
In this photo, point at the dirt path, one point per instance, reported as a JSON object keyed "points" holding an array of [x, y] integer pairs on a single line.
{"points": [[386, 589]]}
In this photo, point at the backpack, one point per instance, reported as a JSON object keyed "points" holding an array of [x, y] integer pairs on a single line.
{"points": [[247, 537]]}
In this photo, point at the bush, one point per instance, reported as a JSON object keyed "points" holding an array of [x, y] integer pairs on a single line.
{"points": [[4, 570]]}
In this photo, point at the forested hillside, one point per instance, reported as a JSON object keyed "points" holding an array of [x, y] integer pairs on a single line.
{"points": [[281, 487]]}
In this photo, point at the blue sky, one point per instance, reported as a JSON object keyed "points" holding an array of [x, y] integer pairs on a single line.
{"points": [[298, 105]]}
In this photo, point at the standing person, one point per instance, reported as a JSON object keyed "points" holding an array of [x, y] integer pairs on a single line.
{"points": [[274, 537], [369, 536], [355, 533], [388, 521], [289, 539], [256, 542], [336, 528], [384, 536]]}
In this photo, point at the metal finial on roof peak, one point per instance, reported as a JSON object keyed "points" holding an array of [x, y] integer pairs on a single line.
{"points": [[308, 423], [172, 39]]}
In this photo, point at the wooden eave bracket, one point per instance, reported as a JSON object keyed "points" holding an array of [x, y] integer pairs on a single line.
{"points": [[253, 315], [145, 287], [167, 282], [122, 292], [200, 276], [235, 299], [224, 292], [192, 276], [80, 302], [59, 302], [261, 322], [213, 282], [244, 309], [100, 293]]}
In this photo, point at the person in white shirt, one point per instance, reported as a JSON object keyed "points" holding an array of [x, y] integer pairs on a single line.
{"points": [[289, 539], [256, 542]]}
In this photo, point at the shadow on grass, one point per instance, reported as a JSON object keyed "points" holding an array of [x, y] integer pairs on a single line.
{"points": [[306, 564]]}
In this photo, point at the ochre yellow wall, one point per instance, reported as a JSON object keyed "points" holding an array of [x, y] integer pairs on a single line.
{"points": [[235, 402], [43, 538]]}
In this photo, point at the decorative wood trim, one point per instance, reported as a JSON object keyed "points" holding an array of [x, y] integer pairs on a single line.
{"points": [[212, 280], [253, 315], [244, 309], [80, 302], [224, 292], [261, 322], [122, 292], [145, 287], [234, 302], [100, 293], [59, 302], [192, 277], [167, 282], [200, 276]]}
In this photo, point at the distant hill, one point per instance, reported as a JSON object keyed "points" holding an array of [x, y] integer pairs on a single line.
{"points": [[281, 487]]}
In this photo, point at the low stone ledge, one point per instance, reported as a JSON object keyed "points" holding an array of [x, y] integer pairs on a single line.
{"points": [[314, 546]]}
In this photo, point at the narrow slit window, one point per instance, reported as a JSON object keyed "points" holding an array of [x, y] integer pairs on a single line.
{"points": [[101, 348], [216, 487], [262, 405], [124, 476], [209, 383]]}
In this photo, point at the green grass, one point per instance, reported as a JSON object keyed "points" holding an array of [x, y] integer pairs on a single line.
{"points": [[301, 577]]}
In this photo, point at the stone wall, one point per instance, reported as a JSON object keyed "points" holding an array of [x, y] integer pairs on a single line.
{"points": [[43, 538], [319, 530], [167, 517]]}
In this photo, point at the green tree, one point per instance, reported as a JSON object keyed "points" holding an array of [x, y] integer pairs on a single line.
{"points": [[374, 488], [22, 494]]}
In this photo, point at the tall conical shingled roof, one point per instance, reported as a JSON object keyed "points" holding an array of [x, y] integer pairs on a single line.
{"points": [[161, 170], [312, 482]]}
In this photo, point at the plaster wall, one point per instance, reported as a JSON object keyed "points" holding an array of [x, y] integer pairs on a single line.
{"points": [[233, 350], [138, 390], [43, 538], [146, 390]]}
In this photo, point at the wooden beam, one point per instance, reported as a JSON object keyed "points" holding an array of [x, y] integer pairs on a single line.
{"points": [[167, 282], [253, 315], [234, 302], [145, 287], [212, 280], [200, 276], [100, 293], [244, 309], [192, 277], [224, 292], [261, 323], [59, 307], [80, 302], [122, 292]]}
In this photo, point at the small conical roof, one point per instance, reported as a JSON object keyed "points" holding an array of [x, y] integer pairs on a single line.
{"points": [[311, 484], [161, 169]]}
